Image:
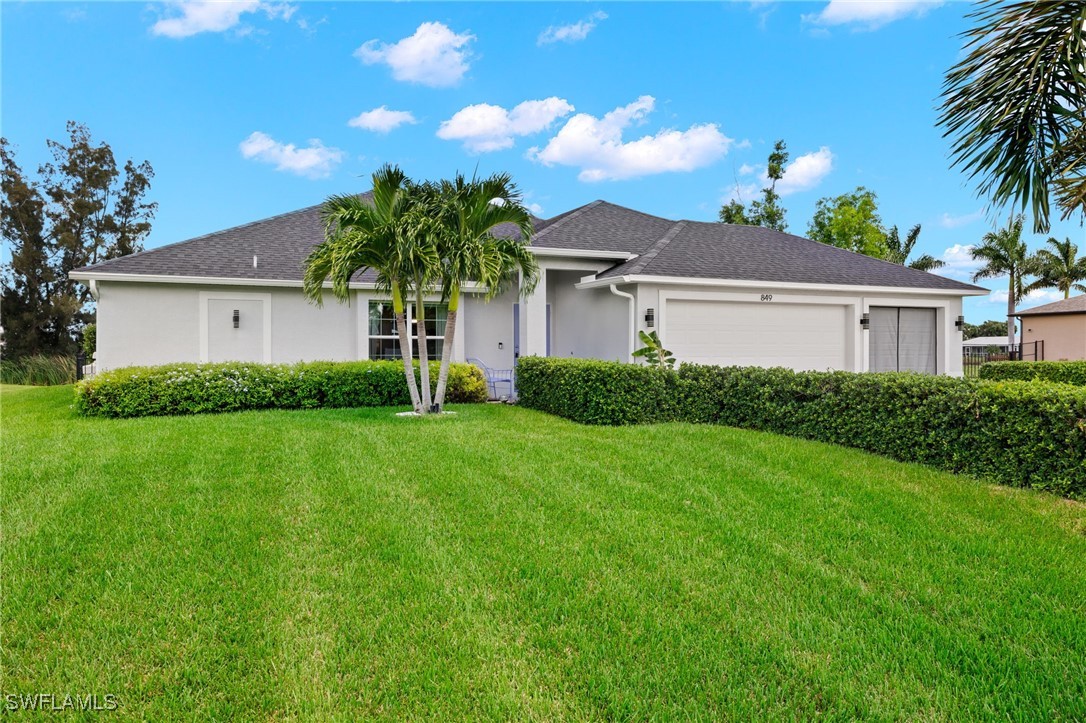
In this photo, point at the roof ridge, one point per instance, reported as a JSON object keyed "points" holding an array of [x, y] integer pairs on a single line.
{"points": [[571, 214], [661, 243]]}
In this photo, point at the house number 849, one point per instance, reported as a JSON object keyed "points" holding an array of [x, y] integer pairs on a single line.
{"points": [[767, 297]]}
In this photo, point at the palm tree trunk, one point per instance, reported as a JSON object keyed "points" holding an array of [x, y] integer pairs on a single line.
{"points": [[1010, 313], [405, 348], [424, 353], [446, 347]]}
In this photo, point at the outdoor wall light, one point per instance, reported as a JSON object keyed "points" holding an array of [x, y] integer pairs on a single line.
{"points": [[237, 318], [865, 321], [650, 318], [959, 323]]}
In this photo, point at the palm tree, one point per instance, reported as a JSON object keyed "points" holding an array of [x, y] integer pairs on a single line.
{"points": [[380, 236], [1014, 105], [470, 211], [897, 251], [1059, 267], [1004, 254]]}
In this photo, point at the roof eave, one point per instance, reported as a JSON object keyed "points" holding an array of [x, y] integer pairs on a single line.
{"points": [[799, 286]]}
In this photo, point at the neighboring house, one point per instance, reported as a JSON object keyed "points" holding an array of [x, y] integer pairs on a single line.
{"points": [[716, 293], [981, 344], [1060, 329]]}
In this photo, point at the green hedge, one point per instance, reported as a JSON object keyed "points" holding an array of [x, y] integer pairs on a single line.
{"points": [[1019, 434], [1064, 372], [231, 387]]}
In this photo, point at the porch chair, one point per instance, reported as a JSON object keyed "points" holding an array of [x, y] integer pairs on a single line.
{"points": [[494, 377]]}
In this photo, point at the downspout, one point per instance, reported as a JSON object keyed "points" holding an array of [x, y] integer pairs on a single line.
{"points": [[633, 317], [93, 286]]}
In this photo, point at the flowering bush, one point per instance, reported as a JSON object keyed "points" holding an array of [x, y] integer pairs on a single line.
{"points": [[234, 386]]}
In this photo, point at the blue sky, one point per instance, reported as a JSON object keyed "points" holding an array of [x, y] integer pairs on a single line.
{"points": [[254, 108]]}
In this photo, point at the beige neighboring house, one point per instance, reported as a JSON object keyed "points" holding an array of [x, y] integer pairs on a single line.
{"points": [[1060, 328]]}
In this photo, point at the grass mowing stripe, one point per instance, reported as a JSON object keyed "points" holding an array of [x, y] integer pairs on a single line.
{"points": [[339, 564]]}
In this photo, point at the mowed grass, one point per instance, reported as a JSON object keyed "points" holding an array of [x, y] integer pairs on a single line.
{"points": [[505, 564]]}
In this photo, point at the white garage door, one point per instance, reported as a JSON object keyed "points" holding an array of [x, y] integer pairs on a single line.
{"points": [[769, 334]]}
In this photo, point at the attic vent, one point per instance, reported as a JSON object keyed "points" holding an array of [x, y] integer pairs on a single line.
{"points": [[254, 262]]}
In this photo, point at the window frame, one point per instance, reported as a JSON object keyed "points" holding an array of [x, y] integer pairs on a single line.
{"points": [[437, 340]]}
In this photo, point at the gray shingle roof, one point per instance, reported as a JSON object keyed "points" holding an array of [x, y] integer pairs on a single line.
{"points": [[752, 253], [1074, 305], [664, 247], [280, 243]]}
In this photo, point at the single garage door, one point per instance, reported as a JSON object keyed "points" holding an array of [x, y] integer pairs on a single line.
{"points": [[766, 334]]}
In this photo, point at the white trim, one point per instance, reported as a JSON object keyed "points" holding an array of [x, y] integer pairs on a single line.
{"points": [[582, 253], [206, 296], [95, 278], [747, 284]]}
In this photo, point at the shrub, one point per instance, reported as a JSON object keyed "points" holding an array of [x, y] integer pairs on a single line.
{"points": [[1064, 372], [235, 386], [38, 370], [1020, 434], [597, 392]]}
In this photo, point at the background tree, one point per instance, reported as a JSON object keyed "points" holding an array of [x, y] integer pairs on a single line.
{"points": [[77, 212], [1015, 105], [986, 328], [1059, 267], [767, 212], [850, 221], [1003, 253], [898, 250]]}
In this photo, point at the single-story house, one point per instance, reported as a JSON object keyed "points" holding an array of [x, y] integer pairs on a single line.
{"points": [[1058, 329], [716, 293], [981, 344]]}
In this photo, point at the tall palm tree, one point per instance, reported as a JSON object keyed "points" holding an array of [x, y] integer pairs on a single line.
{"points": [[470, 212], [897, 251], [1004, 254], [378, 236], [1014, 105], [1059, 267]]}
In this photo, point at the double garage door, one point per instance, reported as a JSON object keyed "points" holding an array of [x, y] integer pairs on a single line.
{"points": [[797, 336], [769, 334]]}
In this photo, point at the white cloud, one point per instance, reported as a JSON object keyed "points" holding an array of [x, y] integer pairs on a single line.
{"points": [[314, 161], [870, 14], [805, 172], [433, 56], [802, 174], [1033, 298], [484, 127], [572, 33], [191, 17], [381, 120], [535, 208], [596, 145], [959, 263], [948, 221]]}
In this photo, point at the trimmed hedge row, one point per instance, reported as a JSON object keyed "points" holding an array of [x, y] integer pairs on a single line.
{"points": [[234, 386], [1064, 372], [1019, 434]]}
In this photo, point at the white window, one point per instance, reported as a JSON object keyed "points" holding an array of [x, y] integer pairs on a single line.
{"points": [[384, 336]]}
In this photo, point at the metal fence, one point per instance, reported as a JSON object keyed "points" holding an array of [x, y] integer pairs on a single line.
{"points": [[974, 357]]}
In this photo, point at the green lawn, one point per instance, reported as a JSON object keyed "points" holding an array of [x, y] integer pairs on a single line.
{"points": [[505, 564]]}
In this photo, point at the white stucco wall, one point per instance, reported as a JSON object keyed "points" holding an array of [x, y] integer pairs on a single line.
{"points": [[587, 323], [147, 324]]}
